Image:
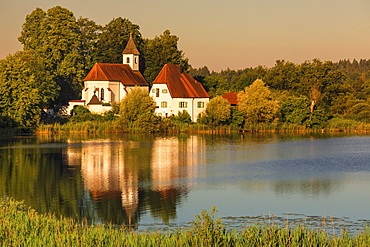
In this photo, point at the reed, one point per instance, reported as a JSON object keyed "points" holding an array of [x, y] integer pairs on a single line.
{"points": [[22, 226]]}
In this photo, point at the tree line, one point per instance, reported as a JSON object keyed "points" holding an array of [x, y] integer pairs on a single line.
{"points": [[59, 50], [308, 94]]}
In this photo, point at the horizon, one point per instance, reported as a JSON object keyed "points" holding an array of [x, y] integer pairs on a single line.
{"points": [[225, 34]]}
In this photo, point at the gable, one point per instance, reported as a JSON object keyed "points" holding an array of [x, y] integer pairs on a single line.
{"points": [[180, 84], [116, 72]]}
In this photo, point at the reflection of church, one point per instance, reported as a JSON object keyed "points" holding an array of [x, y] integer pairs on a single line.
{"points": [[113, 170]]}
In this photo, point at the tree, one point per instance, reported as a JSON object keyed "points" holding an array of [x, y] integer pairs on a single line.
{"points": [[257, 103], [217, 112], [160, 51], [215, 85], [283, 76], [360, 112], [33, 30], [113, 39], [24, 89], [55, 37], [89, 32], [137, 110], [295, 110]]}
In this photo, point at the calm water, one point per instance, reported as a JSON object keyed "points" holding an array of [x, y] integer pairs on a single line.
{"points": [[147, 179]]}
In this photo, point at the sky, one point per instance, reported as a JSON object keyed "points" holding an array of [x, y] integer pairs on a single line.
{"points": [[222, 34]]}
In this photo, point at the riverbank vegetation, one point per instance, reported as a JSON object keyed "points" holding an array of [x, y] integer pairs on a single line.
{"points": [[311, 96], [22, 226]]}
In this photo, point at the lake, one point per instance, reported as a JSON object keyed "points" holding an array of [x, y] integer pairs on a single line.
{"points": [[145, 180]]}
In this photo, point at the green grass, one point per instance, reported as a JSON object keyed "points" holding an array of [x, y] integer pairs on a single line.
{"points": [[22, 226]]}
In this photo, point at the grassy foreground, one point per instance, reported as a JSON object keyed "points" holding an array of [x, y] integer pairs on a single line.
{"points": [[21, 226]]}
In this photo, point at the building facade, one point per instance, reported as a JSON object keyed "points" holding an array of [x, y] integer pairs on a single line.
{"points": [[174, 91]]}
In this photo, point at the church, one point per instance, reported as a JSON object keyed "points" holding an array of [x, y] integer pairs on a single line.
{"points": [[173, 90]]}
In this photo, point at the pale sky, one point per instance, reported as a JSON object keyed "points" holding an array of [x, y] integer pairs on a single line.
{"points": [[223, 34]]}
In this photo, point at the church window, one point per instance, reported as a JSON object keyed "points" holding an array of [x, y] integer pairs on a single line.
{"points": [[164, 104], [153, 90], [102, 94], [157, 92], [135, 60], [164, 91], [127, 60]]}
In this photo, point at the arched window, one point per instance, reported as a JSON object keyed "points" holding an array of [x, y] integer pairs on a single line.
{"points": [[127, 60], [102, 94], [135, 60]]}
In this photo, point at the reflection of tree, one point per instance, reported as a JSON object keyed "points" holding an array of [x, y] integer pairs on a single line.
{"points": [[104, 180], [163, 203], [40, 177], [312, 187]]}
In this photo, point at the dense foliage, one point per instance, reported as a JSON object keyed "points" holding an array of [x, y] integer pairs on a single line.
{"points": [[308, 94]]}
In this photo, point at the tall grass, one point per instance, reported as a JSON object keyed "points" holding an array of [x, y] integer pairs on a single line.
{"points": [[22, 226]]}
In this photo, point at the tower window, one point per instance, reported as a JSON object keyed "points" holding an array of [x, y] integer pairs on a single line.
{"points": [[157, 92], [135, 60], [127, 60]]}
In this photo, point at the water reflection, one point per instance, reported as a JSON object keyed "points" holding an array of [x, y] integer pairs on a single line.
{"points": [[163, 168], [145, 178]]}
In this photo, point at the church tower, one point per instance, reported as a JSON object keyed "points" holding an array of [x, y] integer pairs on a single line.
{"points": [[131, 54]]}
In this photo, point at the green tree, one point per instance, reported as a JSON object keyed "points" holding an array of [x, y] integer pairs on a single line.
{"points": [[113, 39], [257, 104], [360, 112], [55, 37], [160, 51], [34, 30], [89, 32], [137, 110], [24, 89], [283, 76], [182, 117], [215, 85], [217, 112], [295, 110]]}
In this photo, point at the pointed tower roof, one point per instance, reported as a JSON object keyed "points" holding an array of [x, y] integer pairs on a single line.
{"points": [[131, 47]]}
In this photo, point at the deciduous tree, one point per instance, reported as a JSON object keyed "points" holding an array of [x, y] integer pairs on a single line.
{"points": [[257, 103], [137, 110], [217, 112]]}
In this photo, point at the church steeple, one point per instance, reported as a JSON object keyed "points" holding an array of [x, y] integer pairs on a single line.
{"points": [[131, 54]]}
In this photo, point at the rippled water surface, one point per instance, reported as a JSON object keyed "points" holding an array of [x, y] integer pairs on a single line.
{"points": [[147, 179]]}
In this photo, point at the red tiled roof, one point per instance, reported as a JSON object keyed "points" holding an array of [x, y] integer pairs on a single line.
{"points": [[179, 83], [231, 97], [116, 72]]}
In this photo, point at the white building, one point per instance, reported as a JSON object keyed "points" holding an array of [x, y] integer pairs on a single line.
{"points": [[107, 83], [174, 90]]}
